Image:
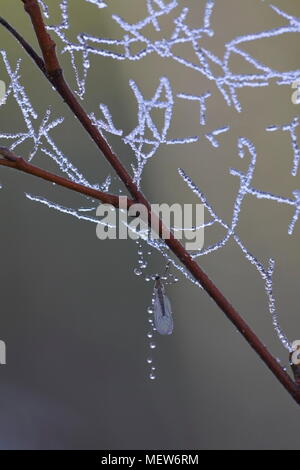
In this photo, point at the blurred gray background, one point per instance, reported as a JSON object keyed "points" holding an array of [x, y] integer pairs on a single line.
{"points": [[73, 314]]}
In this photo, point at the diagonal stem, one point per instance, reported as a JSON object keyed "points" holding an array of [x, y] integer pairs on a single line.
{"points": [[11, 160], [53, 71]]}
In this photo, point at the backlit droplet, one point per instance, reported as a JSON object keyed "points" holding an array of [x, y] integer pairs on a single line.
{"points": [[152, 345], [149, 360], [152, 376], [150, 310], [138, 272]]}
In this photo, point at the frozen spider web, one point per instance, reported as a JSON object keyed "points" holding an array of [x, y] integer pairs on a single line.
{"points": [[134, 43]]}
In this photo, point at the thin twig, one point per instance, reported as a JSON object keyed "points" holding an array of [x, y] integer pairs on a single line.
{"points": [[53, 72], [30, 51], [18, 163]]}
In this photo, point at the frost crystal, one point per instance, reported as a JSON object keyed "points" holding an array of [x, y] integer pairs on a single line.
{"points": [[202, 100], [291, 128]]}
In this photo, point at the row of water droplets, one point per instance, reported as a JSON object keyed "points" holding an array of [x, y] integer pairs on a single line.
{"points": [[167, 279]]}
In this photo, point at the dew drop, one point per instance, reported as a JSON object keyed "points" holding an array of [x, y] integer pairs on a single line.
{"points": [[150, 335], [152, 376], [137, 272], [152, 345], [149, 360]]}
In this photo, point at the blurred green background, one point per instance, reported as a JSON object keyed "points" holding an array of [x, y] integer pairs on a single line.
{"points": [[73, 314]]}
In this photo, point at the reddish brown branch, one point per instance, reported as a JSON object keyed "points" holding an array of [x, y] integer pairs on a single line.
{"points": [[53, 71], [46, 43], [18, 163], [37, 59]]}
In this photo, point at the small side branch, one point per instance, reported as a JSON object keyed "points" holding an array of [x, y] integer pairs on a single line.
{"points": [[11, 160], [30, 51]]}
